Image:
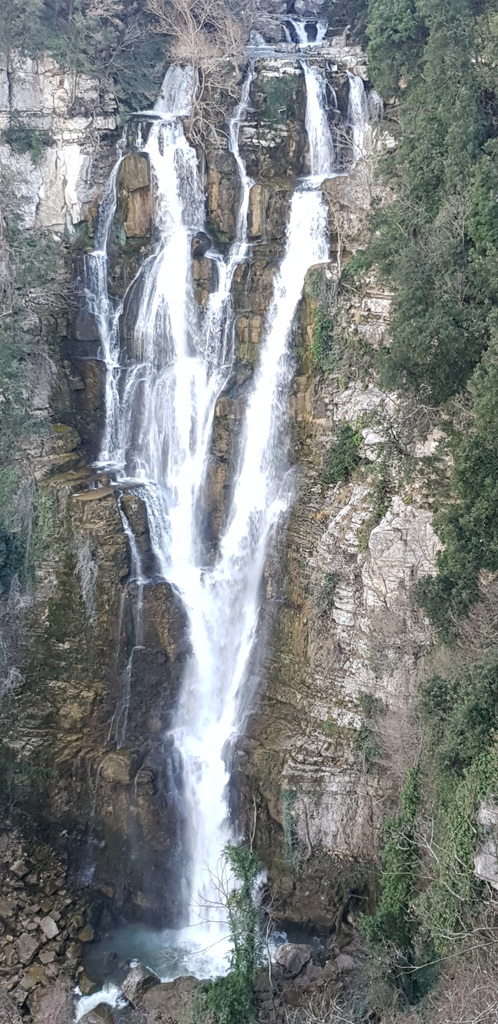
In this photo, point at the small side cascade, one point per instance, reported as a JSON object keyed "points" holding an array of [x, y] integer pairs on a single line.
{"points": [[301, 30], [119, 721], [358, 115]]}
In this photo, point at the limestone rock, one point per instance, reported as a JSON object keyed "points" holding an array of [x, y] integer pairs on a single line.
{"points": [[137, 983]]}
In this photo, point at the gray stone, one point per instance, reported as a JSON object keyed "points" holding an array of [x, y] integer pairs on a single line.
{"points": [[27, 946], [7, 909], [137, 983], [344, 962], [19, 868], [292, 957], [49, 927]]}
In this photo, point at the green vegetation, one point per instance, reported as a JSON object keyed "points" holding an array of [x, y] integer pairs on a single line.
{"points": [[25, 140], [279, 98], [400, 860], [342, 458], [115, 40], [322, 351], [436, 247], [331, 579], [368, 738], [230, 999]]}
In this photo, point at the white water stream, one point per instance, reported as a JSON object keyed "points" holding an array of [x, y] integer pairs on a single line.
{"points": [[160, 408]]}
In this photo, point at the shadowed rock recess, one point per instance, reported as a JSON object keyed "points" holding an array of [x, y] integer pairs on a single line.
{"points": [[95, 650]]}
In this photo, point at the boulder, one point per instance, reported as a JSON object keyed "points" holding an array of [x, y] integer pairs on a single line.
{"points": [[137, 983], [86, 984], [201, 242], [171, 1000], [293, 957], [101, 1014]]}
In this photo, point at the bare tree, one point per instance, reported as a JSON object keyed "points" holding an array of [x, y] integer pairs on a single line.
{"points": [[209, 36]]}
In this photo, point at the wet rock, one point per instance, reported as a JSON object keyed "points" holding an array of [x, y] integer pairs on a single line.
{"points": [[173, 1000], [101, 1014], [49, 927], [86, 934], [137, 983], [27, 946], [201, 242], [86, 984], [293, 957]]}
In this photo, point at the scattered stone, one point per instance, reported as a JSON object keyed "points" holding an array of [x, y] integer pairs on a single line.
{"points": [[32, 878], [292, 957], [46, 956], [49, 927], [19, 868], [32, 976], [86, 934], [137, 983], [27, 946], [11, 956], [7, 909]]}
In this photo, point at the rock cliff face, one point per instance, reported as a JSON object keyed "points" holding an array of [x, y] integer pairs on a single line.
{"points": [[340, 643]]}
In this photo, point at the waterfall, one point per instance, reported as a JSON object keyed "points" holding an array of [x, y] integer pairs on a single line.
{"points": [[322, 153], [358, 115], [301, 30], [159, 418]]}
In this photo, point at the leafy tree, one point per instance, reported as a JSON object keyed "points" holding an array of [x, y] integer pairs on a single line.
{"points": [[396, 34]]}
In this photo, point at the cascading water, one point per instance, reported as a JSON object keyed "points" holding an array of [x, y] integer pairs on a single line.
{"points": [[160, 410]]}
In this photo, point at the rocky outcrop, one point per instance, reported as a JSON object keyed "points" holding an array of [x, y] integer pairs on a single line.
{"points": [[325, 753]]}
